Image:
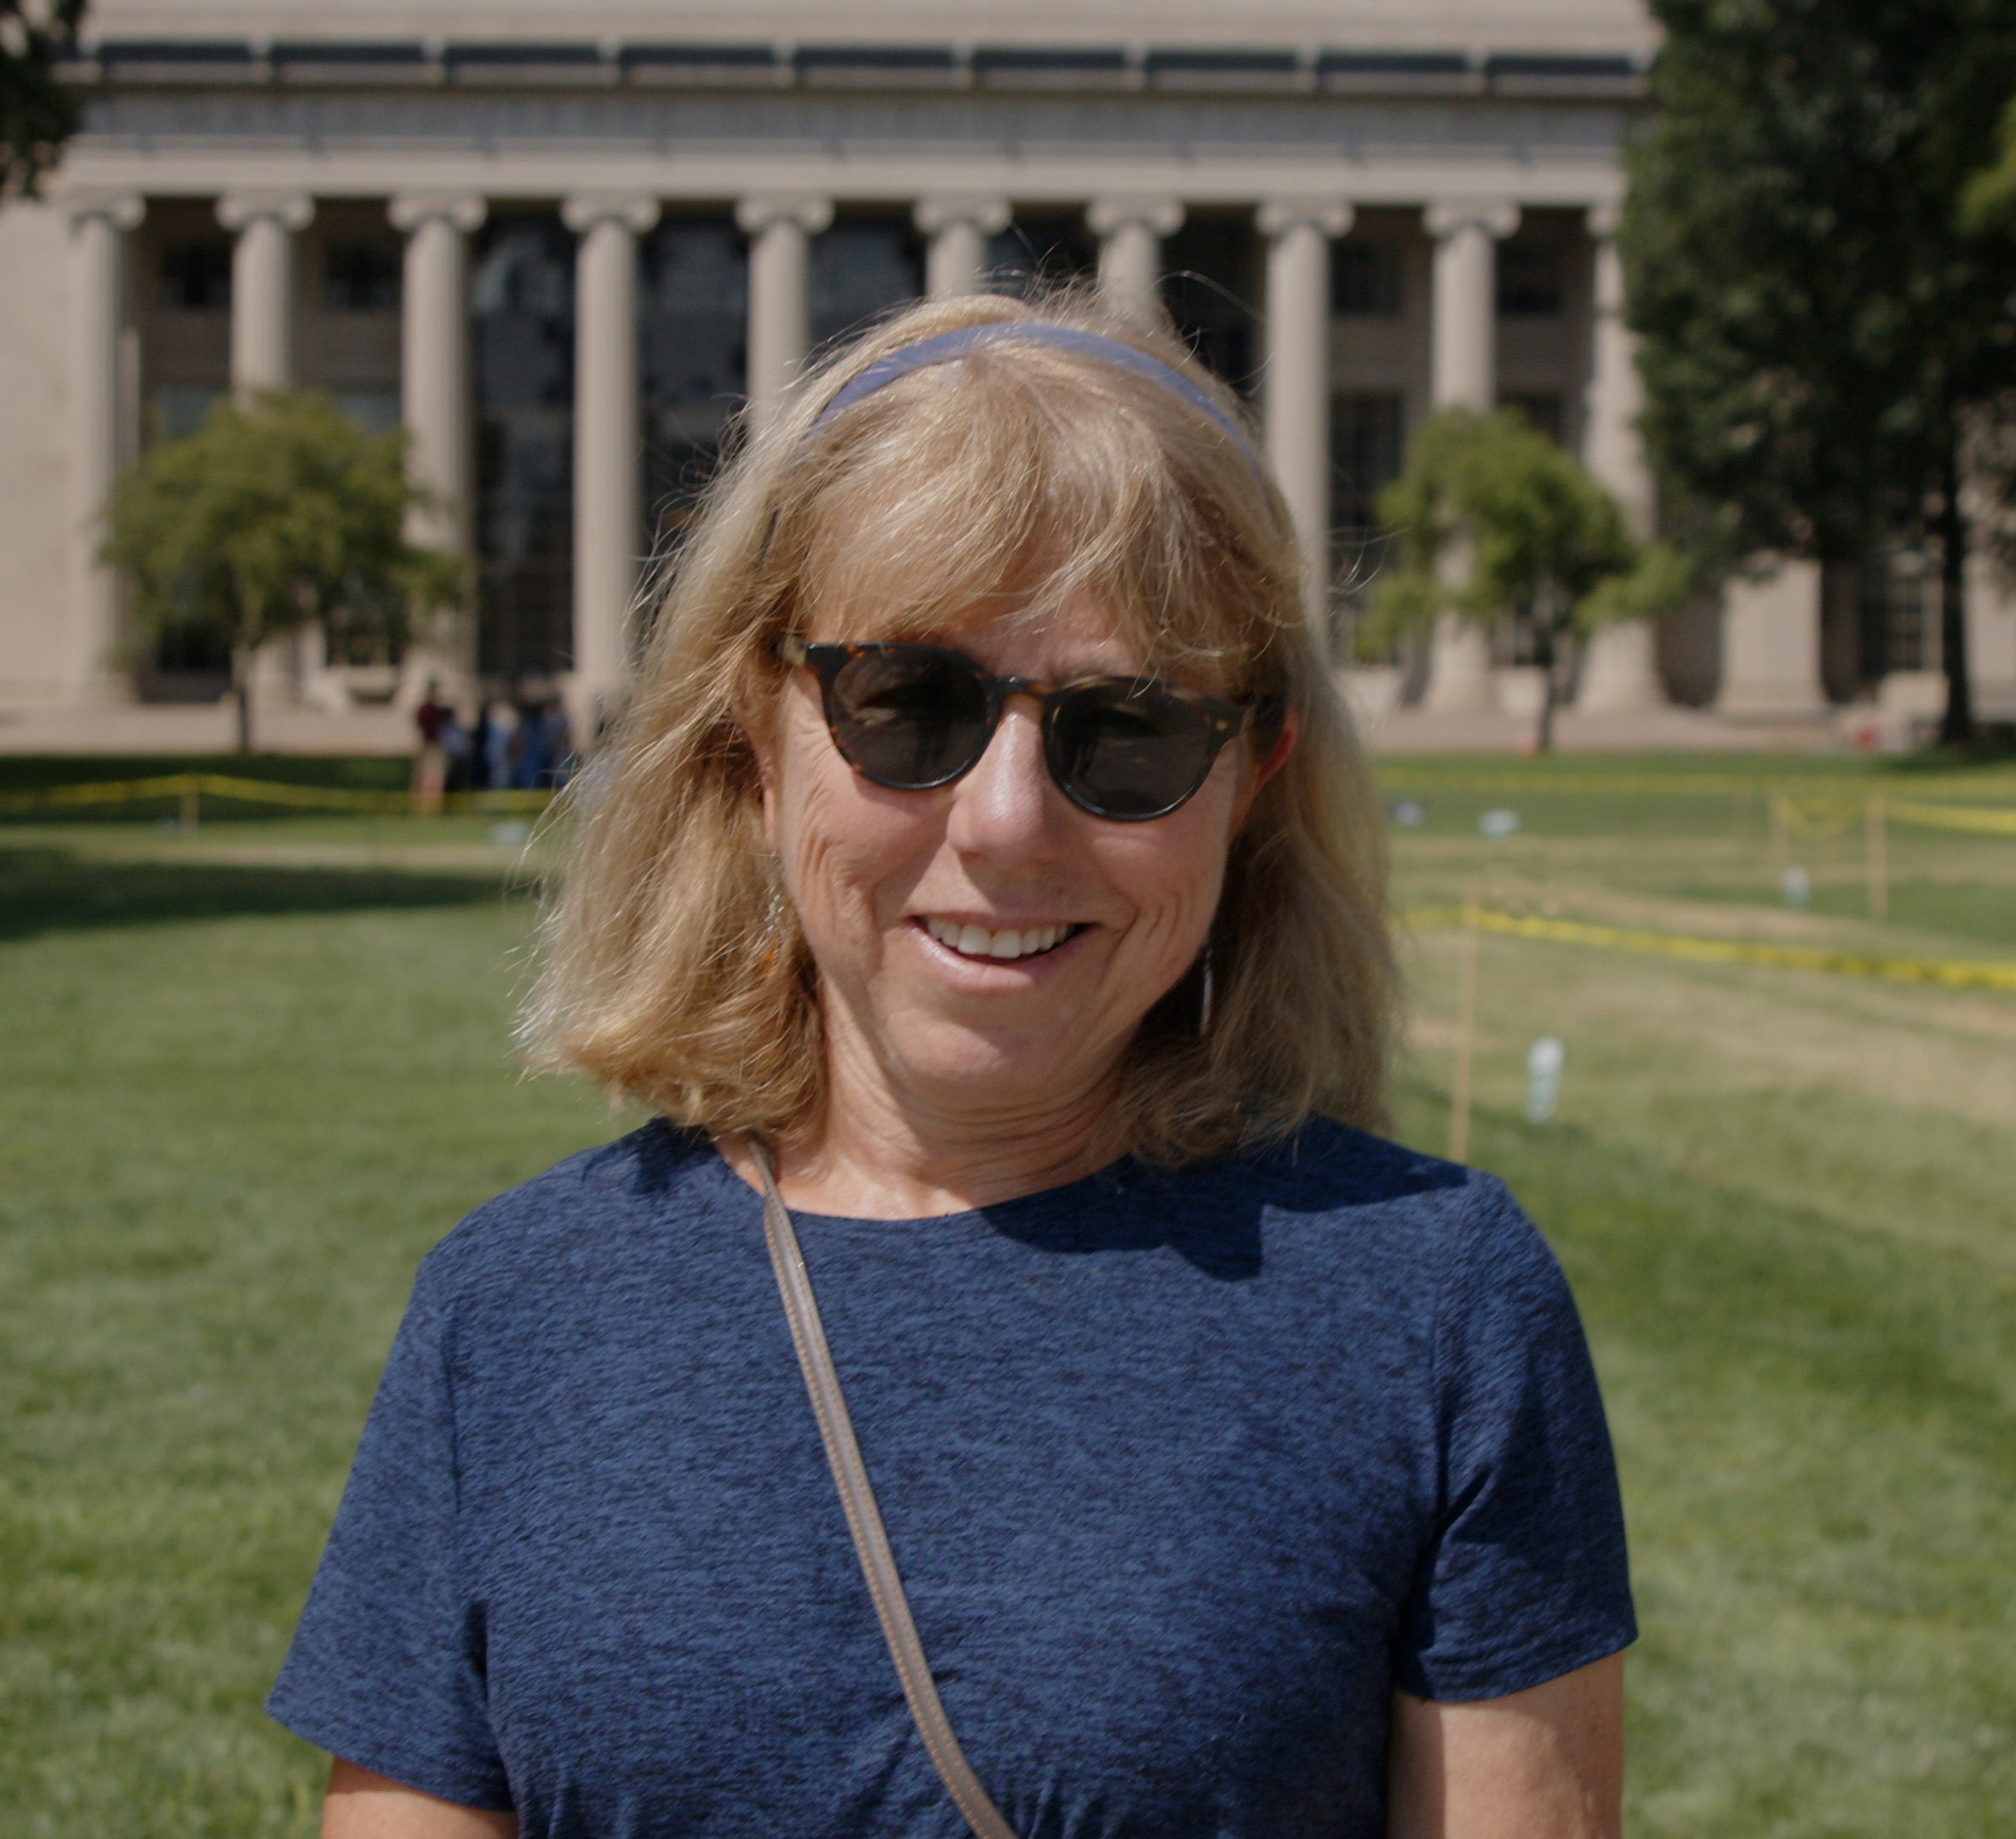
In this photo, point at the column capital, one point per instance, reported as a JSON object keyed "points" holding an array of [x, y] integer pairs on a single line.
{"points": [[1332, 216], [1107, 215], [754, 214], [465, 210], [122, 210], [291, 211], [990, 216], [1601, 220], [1496, 216], [634, 210]]}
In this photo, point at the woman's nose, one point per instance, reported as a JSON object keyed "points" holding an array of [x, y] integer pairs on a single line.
{"points": [[1002, 808]]}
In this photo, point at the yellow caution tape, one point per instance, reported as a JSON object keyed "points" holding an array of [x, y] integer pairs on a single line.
{"points": [[1394, 773], [257, 791], [1817, 819], [1952, 817], [1952, 973]]}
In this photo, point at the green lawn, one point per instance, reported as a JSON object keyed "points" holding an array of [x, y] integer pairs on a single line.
{"points": [[252, 1074]]}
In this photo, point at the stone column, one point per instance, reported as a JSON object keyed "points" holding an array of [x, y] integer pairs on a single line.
{"points": [[1622, 669], [435, 394], [435, 406], [1131, 231], [780, 230], [99, 222], [1463, 373], [1296, 397], [1771, 643], [262, 284], [1465, 336], [955, 259], [606, 446]]}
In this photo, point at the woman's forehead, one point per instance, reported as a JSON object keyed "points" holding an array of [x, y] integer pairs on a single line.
{"points": [[1077, 637], [1071, 630]]}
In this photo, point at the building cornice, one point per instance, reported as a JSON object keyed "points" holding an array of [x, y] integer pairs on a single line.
{"points": [[333, 63]]}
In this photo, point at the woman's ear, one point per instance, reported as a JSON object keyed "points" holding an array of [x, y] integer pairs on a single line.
{"points": [[1276, 756], [762, 738], [1267, 766]]}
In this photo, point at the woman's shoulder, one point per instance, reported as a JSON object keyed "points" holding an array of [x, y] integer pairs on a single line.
{"points": [[1335, 1185], [589, 1206]]}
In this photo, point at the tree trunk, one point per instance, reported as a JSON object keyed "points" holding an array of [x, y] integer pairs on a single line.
{"points": [[241, 691], [1544, 655], [1956, 728]]}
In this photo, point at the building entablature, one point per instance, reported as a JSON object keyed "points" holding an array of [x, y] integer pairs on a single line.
{"points": [[1036, 150], [258, 61]]}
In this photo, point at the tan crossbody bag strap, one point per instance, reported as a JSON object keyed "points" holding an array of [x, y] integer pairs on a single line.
{"points": [[864, 1521]]}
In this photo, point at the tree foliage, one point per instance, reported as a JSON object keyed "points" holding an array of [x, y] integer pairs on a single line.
{"points": [[37, 114], [1816, 319], [269, 518], [1493, 518], [1988, 202]]}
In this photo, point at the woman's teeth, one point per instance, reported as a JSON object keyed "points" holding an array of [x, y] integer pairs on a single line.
{"points": [[977, 941]]}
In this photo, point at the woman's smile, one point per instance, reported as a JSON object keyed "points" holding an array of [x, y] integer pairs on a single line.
{"points": [[977, 938]]}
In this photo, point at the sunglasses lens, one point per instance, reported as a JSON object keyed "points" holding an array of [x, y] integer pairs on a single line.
{"points": [[909, 719], [1126, 752]]}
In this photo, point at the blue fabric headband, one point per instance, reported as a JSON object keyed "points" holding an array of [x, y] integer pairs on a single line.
{"points": [[948, 348]]}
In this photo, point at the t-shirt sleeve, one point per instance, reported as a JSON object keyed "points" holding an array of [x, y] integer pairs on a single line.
{"points": [[386, 1669], [1525, 1578]]}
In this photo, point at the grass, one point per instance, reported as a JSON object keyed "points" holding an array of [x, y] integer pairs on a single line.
{"points": [[254, 1073]]}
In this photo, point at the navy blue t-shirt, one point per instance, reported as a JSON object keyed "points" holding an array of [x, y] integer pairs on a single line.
{"points": [[1184, 1473]]}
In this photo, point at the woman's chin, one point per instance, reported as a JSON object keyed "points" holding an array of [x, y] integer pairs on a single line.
{"points": [[999, 1073]]}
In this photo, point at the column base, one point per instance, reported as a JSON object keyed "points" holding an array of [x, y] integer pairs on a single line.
{"points": [[100, 690], [1621, 674], [1771, 645], [1371, 692], [1460, 668]]}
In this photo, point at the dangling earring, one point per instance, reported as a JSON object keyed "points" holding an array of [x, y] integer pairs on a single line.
{"points": [[1203, 1005], [773, 929]]}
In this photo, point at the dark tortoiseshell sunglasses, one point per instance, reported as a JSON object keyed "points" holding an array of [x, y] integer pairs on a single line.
{"points": [[912, 717]]}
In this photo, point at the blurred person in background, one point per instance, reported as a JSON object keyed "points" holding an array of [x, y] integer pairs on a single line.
{"points": [[432, 721], [985, 895], [499, 721]]}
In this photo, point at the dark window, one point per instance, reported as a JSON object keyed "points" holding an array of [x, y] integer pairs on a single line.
{"points": [[1210, 277], [860, 271], [1042, 248], [1529, 280], [179, 410], [521, 303], [1544, 409], [196, 276], [1366, 280], [1899, 610], [1367, 447], [693, 319], [360, 277]]}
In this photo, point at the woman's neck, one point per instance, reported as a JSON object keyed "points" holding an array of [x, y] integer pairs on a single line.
{"points": [[881, 1155]]}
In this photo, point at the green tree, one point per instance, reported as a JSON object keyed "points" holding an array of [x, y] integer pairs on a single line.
{"points": [[1819, 329], [1491, 519], [269, 518], [1988, 202], [37, 114]]}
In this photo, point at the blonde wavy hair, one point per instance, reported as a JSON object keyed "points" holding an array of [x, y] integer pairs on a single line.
{"points": [[673, 970]]}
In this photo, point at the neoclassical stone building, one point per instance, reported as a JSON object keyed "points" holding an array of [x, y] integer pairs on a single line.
{"points": [[563, 244]]}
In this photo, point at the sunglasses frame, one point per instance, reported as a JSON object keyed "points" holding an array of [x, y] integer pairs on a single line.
{"points": [[1225, 721]]}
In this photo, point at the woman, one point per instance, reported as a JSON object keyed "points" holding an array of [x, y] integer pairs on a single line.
{"points": [[985, 848]]}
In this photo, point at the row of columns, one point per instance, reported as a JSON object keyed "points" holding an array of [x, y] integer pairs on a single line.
{"points": [[436, 405]]}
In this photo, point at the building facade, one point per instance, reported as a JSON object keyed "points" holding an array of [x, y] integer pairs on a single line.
{"points": [[566, 245]]}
